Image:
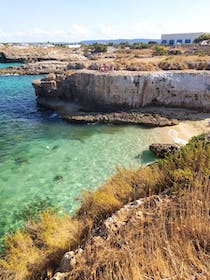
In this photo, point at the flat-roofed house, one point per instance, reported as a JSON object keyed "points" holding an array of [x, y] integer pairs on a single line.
{"points": [[179, 38]]}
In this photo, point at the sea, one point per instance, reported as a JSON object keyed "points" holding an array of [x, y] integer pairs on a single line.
{"points": [[47, 162]]}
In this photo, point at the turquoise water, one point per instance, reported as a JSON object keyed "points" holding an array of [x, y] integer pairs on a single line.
{"points": [[6, 65], [43, 159]]}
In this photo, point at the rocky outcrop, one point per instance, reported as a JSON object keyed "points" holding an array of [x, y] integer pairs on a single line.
{"points": [[132, 117], [132, 213], [4, 58], [163, 150], [36, 68], [123, 90], [11, 54]]}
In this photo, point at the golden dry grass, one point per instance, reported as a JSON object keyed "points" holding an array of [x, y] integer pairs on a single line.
{"points": [[38, 247]]}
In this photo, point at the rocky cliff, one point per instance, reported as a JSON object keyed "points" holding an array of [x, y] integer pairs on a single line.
{"points": [[120, 90]]}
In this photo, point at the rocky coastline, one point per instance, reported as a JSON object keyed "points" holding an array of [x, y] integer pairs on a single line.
{"points": [[152, 91], [151, 98]]}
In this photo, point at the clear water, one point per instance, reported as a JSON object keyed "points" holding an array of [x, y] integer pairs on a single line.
{"points": [[44, 158], [6, 65]]}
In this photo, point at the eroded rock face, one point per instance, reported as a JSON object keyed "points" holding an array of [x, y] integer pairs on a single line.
{"points": [[163, 150], [122, 90]]}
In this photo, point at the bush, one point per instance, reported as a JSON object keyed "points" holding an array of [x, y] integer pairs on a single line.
{"points": [[174, 52], [139, 46], [99, 48], [159, 50], [40, 245]]}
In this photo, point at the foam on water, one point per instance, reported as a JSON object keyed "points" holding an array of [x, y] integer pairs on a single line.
{"points": [[174, 135]]}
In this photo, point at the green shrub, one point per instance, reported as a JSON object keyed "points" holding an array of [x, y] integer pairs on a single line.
{"points": [[174, 52], [139, 46], [98, 48], [159, 50]]}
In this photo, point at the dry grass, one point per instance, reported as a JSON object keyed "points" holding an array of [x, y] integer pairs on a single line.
{"points": [[31, 251], [122, 59], [38, 247], [171, 242]]}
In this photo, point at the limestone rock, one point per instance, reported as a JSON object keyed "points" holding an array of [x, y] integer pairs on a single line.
{"points": [[36, 68], [60, 276], [163, 150], [121, 90], [50, 77], [154, 120], [69, 260], [78, 65]]}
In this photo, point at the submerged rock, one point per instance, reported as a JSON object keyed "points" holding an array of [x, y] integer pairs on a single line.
{"points": [[55, 147], [163, 150], [58, 178], [21, 160]]}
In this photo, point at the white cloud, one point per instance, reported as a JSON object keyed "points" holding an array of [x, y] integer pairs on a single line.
{"points": [[77, 32], [74, 33], [80, 31], [106, 31]]}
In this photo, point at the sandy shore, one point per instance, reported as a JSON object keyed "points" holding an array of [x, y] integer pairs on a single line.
{"points": [[183, 131]]}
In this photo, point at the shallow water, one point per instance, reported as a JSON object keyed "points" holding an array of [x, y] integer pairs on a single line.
{"points": [[43, 159], [6, 65]]}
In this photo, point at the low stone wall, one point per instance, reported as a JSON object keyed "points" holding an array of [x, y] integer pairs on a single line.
{"points": [[120, 90]]}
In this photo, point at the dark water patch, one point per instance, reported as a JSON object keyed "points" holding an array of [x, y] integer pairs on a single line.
{"points": [[21, 160], [55, 147], [145, 157], [58, 178], [32, 209]]}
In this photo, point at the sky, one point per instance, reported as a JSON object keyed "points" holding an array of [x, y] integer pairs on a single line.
{"points": [[75, 20]]}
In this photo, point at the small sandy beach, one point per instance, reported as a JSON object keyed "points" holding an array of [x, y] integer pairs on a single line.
{"points": [[184, 130]]}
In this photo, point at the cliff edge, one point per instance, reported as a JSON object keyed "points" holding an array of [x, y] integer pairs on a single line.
{"points": [[125, 90]]}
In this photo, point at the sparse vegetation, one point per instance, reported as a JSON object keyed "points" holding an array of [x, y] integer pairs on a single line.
{"points": [[139, 46], [175, 243]]}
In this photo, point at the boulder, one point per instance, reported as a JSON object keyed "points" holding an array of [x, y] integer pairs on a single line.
{"points": [[69, 260], [163, 150], [50, 77], [78, 65]]}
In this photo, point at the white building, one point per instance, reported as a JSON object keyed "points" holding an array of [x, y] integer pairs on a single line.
{"points": [[74, 46], [179, 38]]}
